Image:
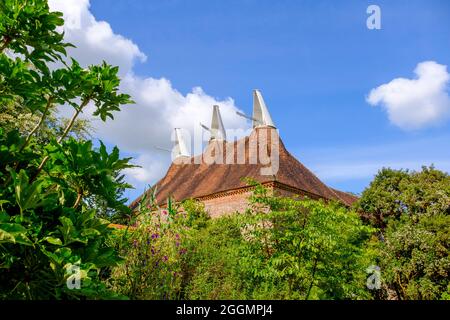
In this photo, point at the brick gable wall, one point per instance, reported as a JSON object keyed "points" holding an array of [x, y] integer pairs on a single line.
{"points": [[233, 201]]}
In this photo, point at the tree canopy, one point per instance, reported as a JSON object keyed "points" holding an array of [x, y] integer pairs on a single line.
{"points": [[48, 225]]}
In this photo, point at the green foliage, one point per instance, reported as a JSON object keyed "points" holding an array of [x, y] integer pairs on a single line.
{"points": [[51, 184], [283, 248], [196, 215], [42, 230], [415, 257], [212, 268], [30, 29], [412, 208], [396, 192], [280, 249], [75, 166], [153, 252], [314, 250]]}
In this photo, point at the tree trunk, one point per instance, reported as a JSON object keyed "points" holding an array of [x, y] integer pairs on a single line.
{"points": [[312, 280]]}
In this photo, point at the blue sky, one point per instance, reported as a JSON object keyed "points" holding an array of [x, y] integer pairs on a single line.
{"points": [[316, 63]]}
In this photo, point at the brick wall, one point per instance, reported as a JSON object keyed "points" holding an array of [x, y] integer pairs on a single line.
{"points": [[236, 201], [227, 204]]}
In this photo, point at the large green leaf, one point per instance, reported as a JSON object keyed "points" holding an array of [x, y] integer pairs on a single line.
{"points": [[53, 240], [28, 195], [14, 233]]}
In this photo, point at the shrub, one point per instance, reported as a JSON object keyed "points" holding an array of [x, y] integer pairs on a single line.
{"points": [[211, 269], [306, 249], [154, 250], [52, 184], [280, 249]]}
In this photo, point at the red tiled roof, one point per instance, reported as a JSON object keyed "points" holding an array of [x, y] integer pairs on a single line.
{"points": [[197, 178]]}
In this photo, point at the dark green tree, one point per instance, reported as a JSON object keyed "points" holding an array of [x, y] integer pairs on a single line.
{"points": [[412, 210], [50, 232], [393, 193], [415, 257]]}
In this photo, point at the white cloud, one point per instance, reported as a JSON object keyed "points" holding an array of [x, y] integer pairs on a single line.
{"points": [[95, 40], [150, 168], [416, 103], [159, 106]]}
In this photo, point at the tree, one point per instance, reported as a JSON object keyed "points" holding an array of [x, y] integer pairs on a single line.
{"points": [[47, 227], [415, 257], [315, 249], [14, 116], [393, 193], [412, 210]]}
